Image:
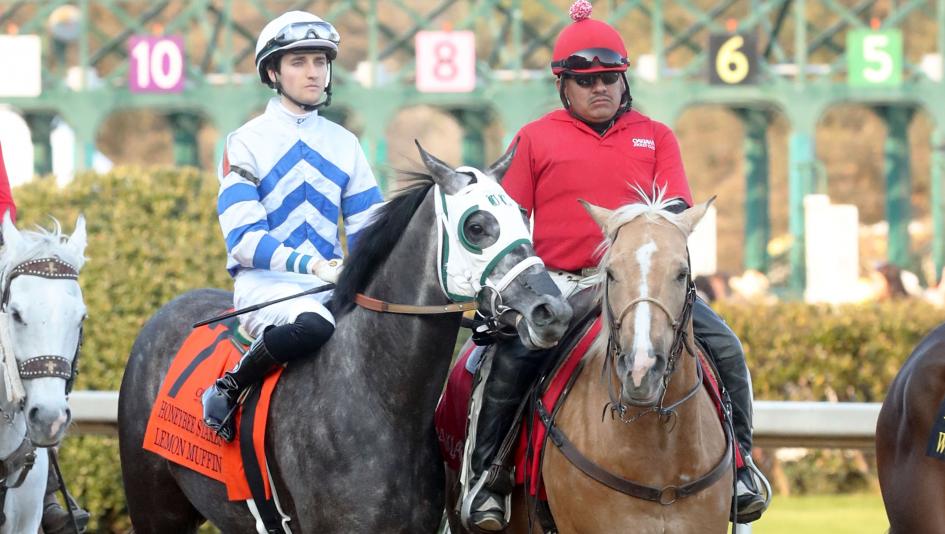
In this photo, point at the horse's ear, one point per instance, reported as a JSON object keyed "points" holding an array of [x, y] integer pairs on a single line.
{"points": [[600, 215], [497, 170], [78, 238], [693, 215], [11, 236], [444, 175]]}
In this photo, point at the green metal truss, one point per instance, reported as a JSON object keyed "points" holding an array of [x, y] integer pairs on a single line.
{"points": [[801, 65]]}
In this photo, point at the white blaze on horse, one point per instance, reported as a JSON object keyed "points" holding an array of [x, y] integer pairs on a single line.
{"points": [[41, 314]]}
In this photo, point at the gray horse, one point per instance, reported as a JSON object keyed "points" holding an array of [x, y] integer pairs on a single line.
{"points": [[351, 439]]}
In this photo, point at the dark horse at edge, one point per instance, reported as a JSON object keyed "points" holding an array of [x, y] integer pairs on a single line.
{"points": [[910, 441], [351, 442]]}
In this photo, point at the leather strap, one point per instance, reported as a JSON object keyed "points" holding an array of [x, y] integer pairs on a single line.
{"points": [[21, 459], [665, 496], [46, 366], [386, 307]]}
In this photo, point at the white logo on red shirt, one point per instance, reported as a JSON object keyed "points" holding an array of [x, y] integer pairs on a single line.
{"points": [[643, 143]]}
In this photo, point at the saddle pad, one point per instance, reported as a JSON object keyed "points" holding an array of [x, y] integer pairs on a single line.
{"points": [[175, 428]]}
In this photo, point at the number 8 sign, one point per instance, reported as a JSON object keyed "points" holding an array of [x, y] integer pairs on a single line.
{"points": [[157, 64], [446, 62]]}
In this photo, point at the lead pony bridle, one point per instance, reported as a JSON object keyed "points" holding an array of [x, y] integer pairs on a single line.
{"points": [[671, 493], [45, 366]]}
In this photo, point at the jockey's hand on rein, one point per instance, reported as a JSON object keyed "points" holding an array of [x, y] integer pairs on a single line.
{"points": [[327, 270]]}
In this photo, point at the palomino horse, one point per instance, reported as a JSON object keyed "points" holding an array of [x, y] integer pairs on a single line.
{"points": [[910, 441], [41, 314], [351, 440], [659, 461]]}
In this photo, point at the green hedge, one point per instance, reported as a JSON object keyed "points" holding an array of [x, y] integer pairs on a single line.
{"points": [[153, 234]]}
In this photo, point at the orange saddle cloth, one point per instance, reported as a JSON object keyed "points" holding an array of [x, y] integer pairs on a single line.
{"points": [[175, 428]]}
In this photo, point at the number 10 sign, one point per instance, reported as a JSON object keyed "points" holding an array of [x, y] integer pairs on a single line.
{"points": [[157, 64]]}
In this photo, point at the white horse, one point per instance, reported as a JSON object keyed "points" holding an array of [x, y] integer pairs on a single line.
{"points": [[41, 314]]}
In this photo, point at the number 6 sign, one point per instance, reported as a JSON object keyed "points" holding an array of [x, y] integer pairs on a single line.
{"points": [[157, 64], [446, 62]]}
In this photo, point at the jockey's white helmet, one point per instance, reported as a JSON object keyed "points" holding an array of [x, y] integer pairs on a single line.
{"points": [[294, 30]]}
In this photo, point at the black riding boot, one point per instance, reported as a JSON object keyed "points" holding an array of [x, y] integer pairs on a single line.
{"points": [[219, 400], [513, 370], [56, 519], [726, 351]]}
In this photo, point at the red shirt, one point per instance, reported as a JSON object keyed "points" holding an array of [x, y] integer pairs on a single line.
{"points": [[6, 196], [560, 160]]}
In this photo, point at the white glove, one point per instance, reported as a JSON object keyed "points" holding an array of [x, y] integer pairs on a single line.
{"points": [[327, 270]]}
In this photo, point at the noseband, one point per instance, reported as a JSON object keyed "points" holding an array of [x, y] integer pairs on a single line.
{"points": [[44, 366]]}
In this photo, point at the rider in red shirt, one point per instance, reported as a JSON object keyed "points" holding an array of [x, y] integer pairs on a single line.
{"points": [[595, 149], [56, 519]]}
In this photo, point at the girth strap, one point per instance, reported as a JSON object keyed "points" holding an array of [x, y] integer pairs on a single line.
{"points": [[665, 496]]}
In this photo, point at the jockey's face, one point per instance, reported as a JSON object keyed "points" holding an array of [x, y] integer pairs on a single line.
{"points": [[303, 76], [596, 102]]}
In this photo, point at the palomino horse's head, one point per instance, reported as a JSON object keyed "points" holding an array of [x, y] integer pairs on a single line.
{"points": [[41, 323], [647, 293], [486, 252]]}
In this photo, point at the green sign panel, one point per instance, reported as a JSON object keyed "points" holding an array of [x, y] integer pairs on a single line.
{"points": [[874, 58]]}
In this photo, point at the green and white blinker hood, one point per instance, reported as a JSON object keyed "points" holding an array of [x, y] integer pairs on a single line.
{"points": [[462, 267]]}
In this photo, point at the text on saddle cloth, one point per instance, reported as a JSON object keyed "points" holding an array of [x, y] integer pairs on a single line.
{"points": [[175, 428]]}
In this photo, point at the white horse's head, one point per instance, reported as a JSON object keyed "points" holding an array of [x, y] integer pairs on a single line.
{"points": [[41, 316]]}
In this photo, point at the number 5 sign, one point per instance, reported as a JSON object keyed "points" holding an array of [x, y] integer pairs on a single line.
{"points": [[874, 58], [446, 62], [157, 64]]}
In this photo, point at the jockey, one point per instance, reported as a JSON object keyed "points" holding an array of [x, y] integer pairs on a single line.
{"points": [[55, 519], [593, 149], [285, 178]]}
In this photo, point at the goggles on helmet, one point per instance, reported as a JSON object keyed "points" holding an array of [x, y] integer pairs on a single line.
{"points": [[585, 59], [306, 30]]}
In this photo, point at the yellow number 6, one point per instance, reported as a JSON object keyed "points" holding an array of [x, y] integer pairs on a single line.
{"points": [[730, 63]]}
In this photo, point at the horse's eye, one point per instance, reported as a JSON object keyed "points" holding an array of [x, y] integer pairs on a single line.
{"points": [[17, 317], [476, 230], [682, 276]]}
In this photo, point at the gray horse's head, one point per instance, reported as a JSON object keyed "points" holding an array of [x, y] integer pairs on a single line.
{"points": [[486, 252], [41, 324]]}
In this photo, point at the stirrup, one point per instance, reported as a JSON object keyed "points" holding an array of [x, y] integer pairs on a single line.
{"points": [[466, 511], [764, 492]]}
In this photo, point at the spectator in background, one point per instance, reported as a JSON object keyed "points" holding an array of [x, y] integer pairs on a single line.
{"points": [[56, 519]]}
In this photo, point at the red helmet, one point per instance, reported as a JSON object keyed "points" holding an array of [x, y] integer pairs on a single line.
{"points": [[588, 45]]}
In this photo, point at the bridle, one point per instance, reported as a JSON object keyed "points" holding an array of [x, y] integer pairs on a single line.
{"points": [[47, 365], [681, 340]]}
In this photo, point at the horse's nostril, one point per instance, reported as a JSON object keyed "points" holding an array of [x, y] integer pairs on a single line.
{"points": [[542, 315], [32, 413], [68, 414]]}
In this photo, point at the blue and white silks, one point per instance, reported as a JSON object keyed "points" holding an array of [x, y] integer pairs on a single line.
{"points": [[285, 180]]}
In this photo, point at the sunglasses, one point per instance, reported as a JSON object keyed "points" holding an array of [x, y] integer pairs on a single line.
{"points": [[306, 30], [590, 80], [590, 57]]}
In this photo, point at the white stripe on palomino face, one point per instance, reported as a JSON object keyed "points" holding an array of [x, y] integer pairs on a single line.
{"points": [[643, 359]]}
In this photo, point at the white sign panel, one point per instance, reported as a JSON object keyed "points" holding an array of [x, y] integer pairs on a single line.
{"points": [[20, 54], [831, 234], [17, 146], [703, 245], [446, 62]]}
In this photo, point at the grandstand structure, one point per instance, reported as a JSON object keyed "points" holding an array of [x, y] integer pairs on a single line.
{"points": [[760, 58]]}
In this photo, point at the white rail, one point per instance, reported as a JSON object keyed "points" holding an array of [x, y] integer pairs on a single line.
{"points": [[777, 423]]}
